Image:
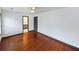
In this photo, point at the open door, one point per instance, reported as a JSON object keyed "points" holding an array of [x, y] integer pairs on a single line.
{"points": [[25, 20], [36, 23]]}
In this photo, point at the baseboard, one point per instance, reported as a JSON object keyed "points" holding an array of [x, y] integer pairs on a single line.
{"points": [[11, 36], [60, 41]]}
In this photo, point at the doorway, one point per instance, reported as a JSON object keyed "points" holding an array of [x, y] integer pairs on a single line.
{"points": [[25, 20], [36, 23]]}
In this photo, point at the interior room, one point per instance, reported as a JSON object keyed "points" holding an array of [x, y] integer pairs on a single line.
{"points": [[39, 28]]}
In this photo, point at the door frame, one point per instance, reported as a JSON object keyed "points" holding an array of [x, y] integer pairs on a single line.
{"points": [[28, 23]]}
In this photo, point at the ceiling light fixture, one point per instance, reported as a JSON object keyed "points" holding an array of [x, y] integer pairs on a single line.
{"points": [[32, 11]]}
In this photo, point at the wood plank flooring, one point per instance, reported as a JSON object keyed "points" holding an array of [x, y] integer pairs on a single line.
{"points": [[33, 41]]}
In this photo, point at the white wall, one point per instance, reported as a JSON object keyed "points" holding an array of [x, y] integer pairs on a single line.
{"points": [[0, 27], [0, 24], [0, 10], [31, 22], [62, 24], [12, 22]]}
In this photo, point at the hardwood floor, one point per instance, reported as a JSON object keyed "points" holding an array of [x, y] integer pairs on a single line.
{"points": [[33, 41]]}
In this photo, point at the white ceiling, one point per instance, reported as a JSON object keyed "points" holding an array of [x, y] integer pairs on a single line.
{"points": [[16, 9], [44, 9], [28, 9]]}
